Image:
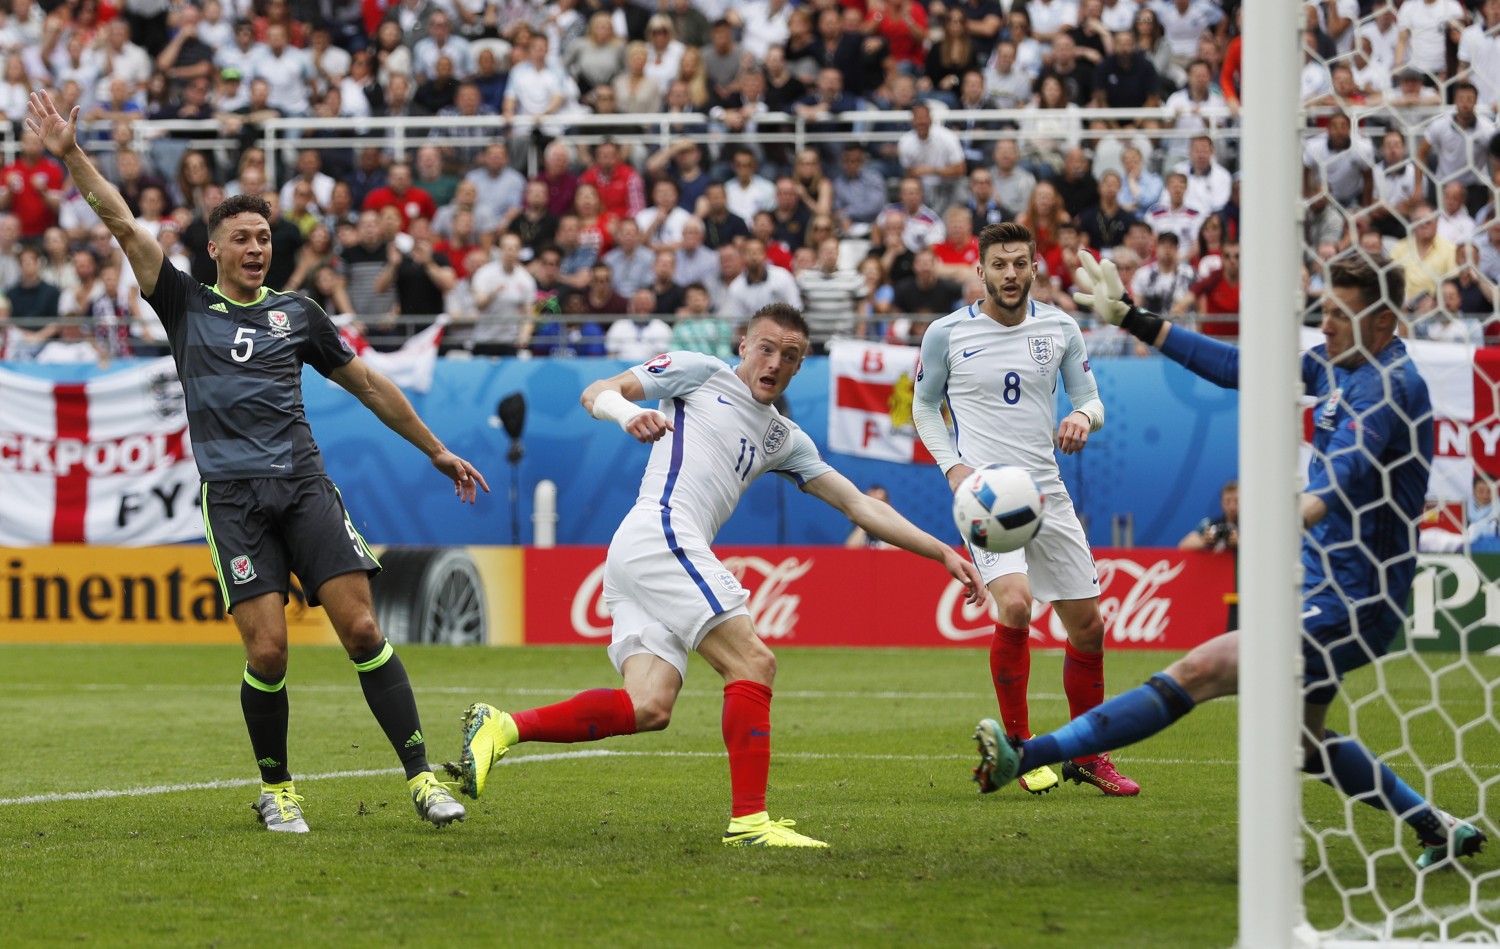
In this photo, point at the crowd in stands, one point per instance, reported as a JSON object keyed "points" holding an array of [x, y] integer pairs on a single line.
{"points": [[538, 232]]}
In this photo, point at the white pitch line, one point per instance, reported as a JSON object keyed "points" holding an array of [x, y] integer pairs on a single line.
{"points": [[468, 690], [105, 793]]}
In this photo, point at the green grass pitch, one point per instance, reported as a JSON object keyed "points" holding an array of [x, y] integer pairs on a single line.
{"points": [[616, 843]]}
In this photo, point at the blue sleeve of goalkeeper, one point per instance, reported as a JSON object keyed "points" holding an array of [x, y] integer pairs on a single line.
{"points": [[1216, 361]]}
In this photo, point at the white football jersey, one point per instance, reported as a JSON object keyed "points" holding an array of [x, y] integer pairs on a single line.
{"points": [[722, 440], [1000, 383]]}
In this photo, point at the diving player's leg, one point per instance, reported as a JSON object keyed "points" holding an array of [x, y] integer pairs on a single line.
{"points": [[734, 651], [1208, 671], [1330, 648]]}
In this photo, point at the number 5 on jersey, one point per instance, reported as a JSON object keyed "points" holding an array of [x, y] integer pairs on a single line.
{"points": [[245, 335]]}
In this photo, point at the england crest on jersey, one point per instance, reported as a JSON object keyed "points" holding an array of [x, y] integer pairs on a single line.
{"points": [[281, 324], [1041, 349], [776, 437]]}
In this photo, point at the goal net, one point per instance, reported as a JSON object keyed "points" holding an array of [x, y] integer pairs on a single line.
{"points": [[1400, 175]]}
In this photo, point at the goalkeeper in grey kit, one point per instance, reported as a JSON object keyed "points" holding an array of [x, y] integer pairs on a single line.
{"points": [[1366, 482]]}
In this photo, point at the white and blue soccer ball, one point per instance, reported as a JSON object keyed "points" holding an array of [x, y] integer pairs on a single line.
{"points": [[998, 508]]}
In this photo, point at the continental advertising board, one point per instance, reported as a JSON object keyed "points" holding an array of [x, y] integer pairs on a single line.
{"points": [[83, 594]]}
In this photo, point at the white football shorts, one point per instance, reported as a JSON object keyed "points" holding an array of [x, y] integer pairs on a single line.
{"points": [[664, 599], [1057, 561]]}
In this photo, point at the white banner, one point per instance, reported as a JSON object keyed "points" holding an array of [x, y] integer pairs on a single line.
{"points": [[410, 367], [869, 401], [102, 462]]}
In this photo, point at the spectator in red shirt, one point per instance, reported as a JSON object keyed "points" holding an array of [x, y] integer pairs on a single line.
{"points": [[620, 188], [1219, 294], [33, 188], [400, 194], [903, 26], [958, 252]]}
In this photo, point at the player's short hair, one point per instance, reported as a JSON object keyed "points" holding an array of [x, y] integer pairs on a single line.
{"points": [[239, 204], [1006, 232], [1378, 280], [783, 315]]}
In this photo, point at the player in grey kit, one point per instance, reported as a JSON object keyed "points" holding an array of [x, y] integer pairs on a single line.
{"points": [[268, 507]]}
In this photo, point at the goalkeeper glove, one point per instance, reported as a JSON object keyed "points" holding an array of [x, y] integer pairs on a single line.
{"points": [[1103, 293]]}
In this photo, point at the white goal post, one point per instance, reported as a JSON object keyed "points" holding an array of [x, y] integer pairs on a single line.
{"points": [[1270, 787]]}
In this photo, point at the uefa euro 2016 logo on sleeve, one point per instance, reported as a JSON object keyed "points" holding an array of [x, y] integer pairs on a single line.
{"points": [[1041, 349], [657, 365], [776, 436], [1330, 410]]}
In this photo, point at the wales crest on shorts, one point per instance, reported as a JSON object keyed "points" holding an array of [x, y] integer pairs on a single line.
{"points": [[776, 436], [242, 569], [1041, 349]]}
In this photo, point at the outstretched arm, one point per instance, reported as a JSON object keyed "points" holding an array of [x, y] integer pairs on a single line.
{"points": [[881, 520], [1100, 290], [381, 396], [59, 136]]}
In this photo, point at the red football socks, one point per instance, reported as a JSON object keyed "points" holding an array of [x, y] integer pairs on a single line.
{"points": [[747, 736], [587, 716], [1010, 670], [1083, 679]]}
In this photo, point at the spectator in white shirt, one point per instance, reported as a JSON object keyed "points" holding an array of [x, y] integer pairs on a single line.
{"points": [[1209, 182], [759, 284], [1395, 187], [664, 50], [1174, 215], [934, 155], [1051, 17], [1460, 140], [762, 24], [1166, 284], [287, 69], [503, 293], [662, 224], [1337, 176], [1187, 105], [747, 193], [643, 336], [1381, 30], [440, 41], [1454, 221], [1422, 40], [1183, 22], [1479, 55]]}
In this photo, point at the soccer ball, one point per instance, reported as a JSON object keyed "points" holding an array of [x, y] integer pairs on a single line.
{"points": [[998, 508]]}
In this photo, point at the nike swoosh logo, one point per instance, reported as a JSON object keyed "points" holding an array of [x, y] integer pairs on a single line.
{"points": [[757, 733], [973, 352], [725, 401]]}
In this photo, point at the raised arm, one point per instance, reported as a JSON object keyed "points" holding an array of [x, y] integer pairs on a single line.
{"points": [[1101, 291], [60, 137], [382, 397]]}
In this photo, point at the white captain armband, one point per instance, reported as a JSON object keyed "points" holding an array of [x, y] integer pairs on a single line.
{"points": [[1093, 410], [611, 406]]}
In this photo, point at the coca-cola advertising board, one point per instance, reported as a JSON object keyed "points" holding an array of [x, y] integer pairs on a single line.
{"points": [[828, 596]]}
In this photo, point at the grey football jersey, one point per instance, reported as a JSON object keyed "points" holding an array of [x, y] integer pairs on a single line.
{"points": [[241, 371]]}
